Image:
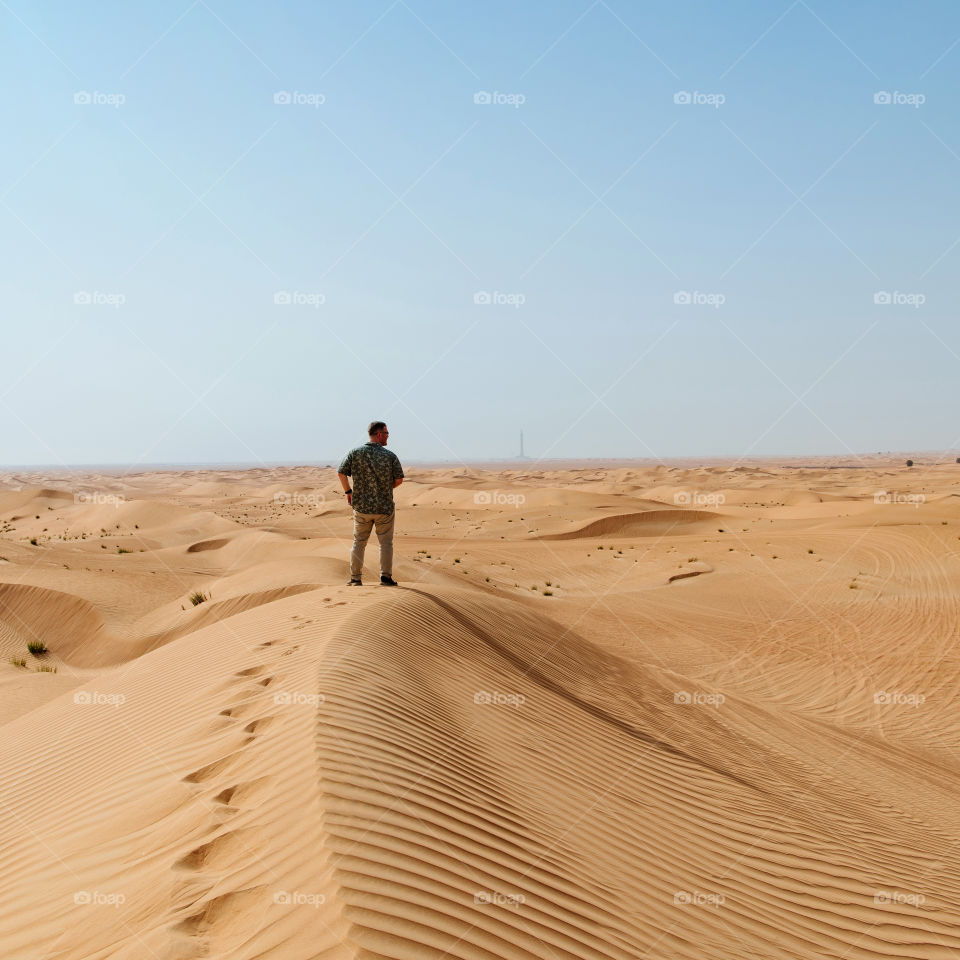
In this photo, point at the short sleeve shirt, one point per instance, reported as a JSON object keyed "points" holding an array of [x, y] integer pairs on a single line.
{"points": [[372, 469]]}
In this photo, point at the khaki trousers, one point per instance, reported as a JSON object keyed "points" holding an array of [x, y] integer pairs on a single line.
{"points": [[363, 523]]}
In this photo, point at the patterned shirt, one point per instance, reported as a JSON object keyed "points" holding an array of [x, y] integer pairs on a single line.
{"points": [[373, 469]]}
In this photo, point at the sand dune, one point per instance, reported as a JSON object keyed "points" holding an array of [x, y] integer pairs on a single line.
{"points": [[724, 728]]}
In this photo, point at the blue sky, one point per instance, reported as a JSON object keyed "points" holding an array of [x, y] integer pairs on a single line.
{"points": [[577, 254]]}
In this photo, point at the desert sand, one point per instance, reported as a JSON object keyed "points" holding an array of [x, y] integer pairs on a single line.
{"points": [[664, 711]]}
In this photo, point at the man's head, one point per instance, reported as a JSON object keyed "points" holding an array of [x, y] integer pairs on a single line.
{"points": [[378, 432]]}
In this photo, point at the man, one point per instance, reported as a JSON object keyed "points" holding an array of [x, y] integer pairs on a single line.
{"points": [[375, 471]]}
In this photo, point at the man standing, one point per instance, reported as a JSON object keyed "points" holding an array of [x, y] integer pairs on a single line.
{"points": [[375, 471]]}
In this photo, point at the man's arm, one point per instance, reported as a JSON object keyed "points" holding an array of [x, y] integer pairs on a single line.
{"points": [[343, 474], [397, 481]]}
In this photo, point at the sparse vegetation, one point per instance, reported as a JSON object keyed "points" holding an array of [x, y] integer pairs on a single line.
{"points": [[37, 647], [18, 661], [33, 540], [548, 593], [197, 597], [122, 550], [44, 668]]}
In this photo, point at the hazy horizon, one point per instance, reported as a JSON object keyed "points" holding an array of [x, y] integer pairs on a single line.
{"points": [[921, 457]]}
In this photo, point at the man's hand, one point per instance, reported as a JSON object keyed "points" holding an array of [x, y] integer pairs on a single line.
{"points": [[345, 483]]}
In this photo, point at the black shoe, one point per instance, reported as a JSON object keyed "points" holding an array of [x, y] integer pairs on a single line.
{"points": [[355, 583], [387, 582]]}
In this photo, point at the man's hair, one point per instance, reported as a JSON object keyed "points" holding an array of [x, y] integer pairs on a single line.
{"points": [[376, 427]]}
